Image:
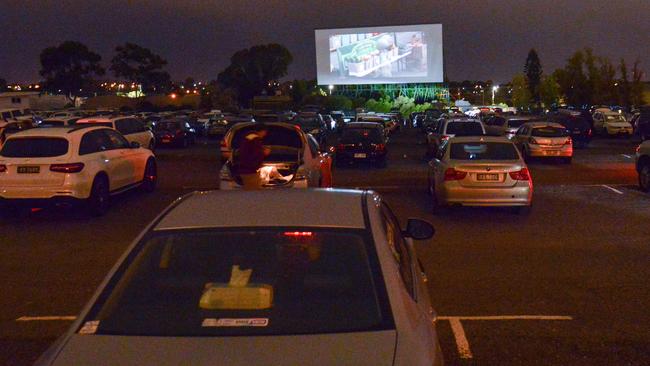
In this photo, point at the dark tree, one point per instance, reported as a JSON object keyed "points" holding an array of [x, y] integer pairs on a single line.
{"points": [[189, 82], [625, 94], [533, 71], [251, 70], [69, 68], [3, 85], [141, 66]]}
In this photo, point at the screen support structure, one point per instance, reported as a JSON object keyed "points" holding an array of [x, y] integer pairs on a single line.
{"points": [[420, 92]]}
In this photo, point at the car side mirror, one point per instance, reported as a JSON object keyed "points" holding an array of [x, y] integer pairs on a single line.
{"points": [[419, 229], [135, 145]]}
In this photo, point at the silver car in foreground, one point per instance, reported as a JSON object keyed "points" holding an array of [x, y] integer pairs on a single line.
{"points": [[290, 277], [479, 171]]}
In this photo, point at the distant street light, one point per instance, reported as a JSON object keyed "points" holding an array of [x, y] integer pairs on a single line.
{"points": [[330, 87], [494, 91]]}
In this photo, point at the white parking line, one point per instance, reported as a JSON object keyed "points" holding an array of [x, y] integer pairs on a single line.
{"points": [[45, 318], [462, 344], [626, 156], [612, 189]]}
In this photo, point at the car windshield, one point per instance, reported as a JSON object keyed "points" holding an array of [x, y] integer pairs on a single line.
{"points": [[615, 118], [247, 282], [167, 126], [464, 129], [352, 135], [483, 151], [34, 147], [516, 123], [276, 136], [549, 131]]}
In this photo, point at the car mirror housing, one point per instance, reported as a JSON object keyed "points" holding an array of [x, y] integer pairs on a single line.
{"points": [[419, 229]]}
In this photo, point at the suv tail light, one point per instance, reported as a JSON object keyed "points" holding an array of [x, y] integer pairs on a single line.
{"points": [[522, 174], [453, 174], [67, 168], [380, 147], [568, 141], [340, 147], [3, 168]]}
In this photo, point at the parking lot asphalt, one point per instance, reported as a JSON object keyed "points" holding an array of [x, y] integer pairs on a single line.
{"points": [[565, 284]]}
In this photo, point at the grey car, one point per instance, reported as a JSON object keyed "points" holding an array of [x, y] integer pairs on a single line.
{"points": [[479, 171], [302, 277]]}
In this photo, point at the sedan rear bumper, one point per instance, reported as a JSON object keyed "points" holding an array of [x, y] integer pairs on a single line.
{"points": [[543, 151], [453, 193]]}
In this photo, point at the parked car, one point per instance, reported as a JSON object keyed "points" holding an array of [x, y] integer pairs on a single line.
{"points": [[448, 128], [643, 123], [313, 124], [576, 126], [296, 159], [326, 277], [544, 139], [12, 127], [362, 141], [611, 123], [176, 132], [479, 171], [59, 122], [506, 125], [643, 165], [50, 166], [133, 129]]}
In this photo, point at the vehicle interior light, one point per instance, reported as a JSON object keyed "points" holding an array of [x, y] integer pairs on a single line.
{"points": [[298, 233]]}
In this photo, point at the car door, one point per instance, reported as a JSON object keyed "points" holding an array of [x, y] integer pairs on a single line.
{"points": [[311, 161], [438, 164], [129, 163], [324, 163], [98, 144], [417, 303]]}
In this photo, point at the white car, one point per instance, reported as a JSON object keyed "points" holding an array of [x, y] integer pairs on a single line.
{"points": [[59, 122], [309, 278], [295, 160], [51, 166], [643, 165], [611, 123], [131, 127]]}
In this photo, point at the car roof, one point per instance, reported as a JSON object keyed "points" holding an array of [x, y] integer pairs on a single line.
{"points": [[465, 139], [363, 125], [54, 131], [332, 208]]}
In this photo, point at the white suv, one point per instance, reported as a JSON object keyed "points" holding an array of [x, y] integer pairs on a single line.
{"points": [[130, 126], [45, 166]]}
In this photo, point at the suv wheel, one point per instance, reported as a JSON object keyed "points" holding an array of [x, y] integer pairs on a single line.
{"points": [[98, 202], [644, 177]]}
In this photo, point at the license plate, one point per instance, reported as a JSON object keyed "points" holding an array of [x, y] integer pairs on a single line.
{"points": [[29, 169], [487, 177], [360, 156], [166, 140]]}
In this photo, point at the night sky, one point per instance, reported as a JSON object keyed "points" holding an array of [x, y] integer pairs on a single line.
{"points": [[482, 39]]}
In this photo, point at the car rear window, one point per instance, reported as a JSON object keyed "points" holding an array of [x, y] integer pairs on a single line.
{"points": [[167, 126], [352, 135], [516, 123], [102, 124], [483, 151], [34, 147], [464, 129], [549, 131], [276, 136], [247, 282]]}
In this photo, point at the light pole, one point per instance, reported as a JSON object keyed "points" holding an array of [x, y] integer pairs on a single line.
{"points": [[494, 91], [330, 87]]}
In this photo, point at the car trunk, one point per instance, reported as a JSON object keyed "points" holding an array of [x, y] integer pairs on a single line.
{"points": [[361, 348], [284, 159], [488, 174], [28, 162]]}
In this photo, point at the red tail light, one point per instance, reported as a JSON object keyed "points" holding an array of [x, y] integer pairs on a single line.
{"points": [[533, 141], [3, 168], [298, 234], [67, 168], [340, 147], [453, 174], [380, 147], [223, 143], [445, 137], [589, 132], [568, 141], [523, 174]]}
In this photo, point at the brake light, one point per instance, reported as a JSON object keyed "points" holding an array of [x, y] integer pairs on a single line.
{"points": [[298, 234], [3, 168], [445, 137], [532, 141], [340, 147], [453, 174], [589, 132], [380, 147], [522, 174], [67, 168], [568, 141]]}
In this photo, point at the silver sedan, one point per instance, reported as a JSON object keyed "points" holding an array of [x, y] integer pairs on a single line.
{"points": [[480, 171]]}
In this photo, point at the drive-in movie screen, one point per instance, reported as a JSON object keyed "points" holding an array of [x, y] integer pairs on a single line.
{"points": [[380, 55]]}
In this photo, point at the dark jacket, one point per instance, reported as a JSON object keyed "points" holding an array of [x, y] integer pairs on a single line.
{"points": [[251, 154]]}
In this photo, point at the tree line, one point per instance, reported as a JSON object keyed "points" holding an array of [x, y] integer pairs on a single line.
{"points": [[587, 79]]}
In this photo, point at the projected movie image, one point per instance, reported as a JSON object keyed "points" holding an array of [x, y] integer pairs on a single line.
{"points": [[387, 56]]}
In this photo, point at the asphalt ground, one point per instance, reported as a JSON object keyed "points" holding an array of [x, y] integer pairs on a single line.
{"points": [[580, 256]]}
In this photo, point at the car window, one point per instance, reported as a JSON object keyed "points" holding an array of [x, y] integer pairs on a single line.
{"points": [[34, 147], [351, 135], [440, 154], [464, 128], [137, 125], [123, 126], [483, 151], [398, 247], [94, 141], [549, 131], [117, 141], [271, 281]]}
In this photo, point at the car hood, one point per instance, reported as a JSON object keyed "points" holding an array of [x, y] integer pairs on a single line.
{"points": [[362, 348]]}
